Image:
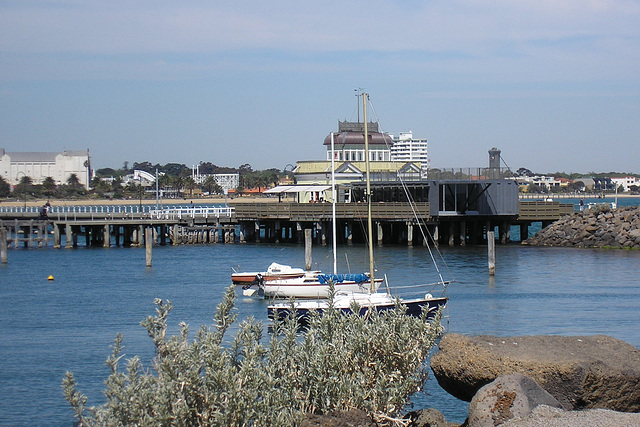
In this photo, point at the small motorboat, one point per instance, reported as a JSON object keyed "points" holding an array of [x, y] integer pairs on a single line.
{"points": [[274, 272]]}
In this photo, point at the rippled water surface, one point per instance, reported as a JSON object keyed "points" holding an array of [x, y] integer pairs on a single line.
{"points": [[48, 328]]}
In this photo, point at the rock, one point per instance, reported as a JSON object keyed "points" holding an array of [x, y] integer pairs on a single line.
{"points": [[553, 417], [429, 418], [580, 372], [593, 228], [509, 396], [352, 418]]}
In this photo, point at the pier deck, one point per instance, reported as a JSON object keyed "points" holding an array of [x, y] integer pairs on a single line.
{"points": [[264, 221]]}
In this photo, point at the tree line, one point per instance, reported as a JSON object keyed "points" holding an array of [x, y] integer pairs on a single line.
{"points": [[26, 189], [180, 178], [110, 183]]}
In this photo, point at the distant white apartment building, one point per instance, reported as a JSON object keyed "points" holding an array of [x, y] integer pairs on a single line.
{"points": [[39, 165], [627, 182], [226, 181], [406, 148]]}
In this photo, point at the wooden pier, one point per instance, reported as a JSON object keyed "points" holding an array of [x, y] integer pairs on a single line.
{"points": [[269, 221], [104, 226], [394, 222]]}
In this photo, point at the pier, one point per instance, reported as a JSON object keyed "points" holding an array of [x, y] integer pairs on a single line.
{"points": [[104, 226], [269, 221]]}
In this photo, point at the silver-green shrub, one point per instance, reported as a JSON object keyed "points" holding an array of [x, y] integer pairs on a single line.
{"points": [[338, 361]]}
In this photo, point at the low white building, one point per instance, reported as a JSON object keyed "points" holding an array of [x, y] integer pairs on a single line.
{"points": [[226, 181], [39, 165], [627, 182], [547, 182]]}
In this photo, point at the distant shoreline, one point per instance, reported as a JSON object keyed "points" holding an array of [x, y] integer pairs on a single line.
{"points": [[559, 197]]}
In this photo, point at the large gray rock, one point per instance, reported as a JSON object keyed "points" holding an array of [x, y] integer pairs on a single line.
{"points": [[580, 372], [507, 397], [545, 416]]}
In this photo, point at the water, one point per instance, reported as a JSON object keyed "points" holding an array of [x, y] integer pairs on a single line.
{"points": [[48, 328]]}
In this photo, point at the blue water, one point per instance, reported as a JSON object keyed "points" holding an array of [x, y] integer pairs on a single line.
{"points": [[48, 328]]}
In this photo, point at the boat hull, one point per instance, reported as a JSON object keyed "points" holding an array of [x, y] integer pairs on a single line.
{"points": [[414, 307], [311, 287], [248, 278], [275, 271]]}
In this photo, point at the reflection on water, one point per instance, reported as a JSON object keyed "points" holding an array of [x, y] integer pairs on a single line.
{"points": [[48, 328]]}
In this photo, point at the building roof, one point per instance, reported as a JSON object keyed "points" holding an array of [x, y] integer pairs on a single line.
{"points": [[357, 138], [27, 156], [296, 189], [32, 157], [324, 166]]}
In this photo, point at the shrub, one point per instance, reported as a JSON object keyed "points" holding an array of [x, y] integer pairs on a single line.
{"points": [[373, 363]]}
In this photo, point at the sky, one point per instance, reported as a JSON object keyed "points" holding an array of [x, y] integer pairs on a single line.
{"points": [[554, 84]]}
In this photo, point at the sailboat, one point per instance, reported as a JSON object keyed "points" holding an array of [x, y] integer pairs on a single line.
{"points": [[371, 299], [313, 284]]}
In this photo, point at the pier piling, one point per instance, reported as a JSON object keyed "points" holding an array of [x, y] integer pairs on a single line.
{"points": [[148, 242], [308, 237], [491, 247], [3, 245]]}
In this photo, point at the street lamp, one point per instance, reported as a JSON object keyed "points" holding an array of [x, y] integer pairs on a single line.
{"points": [[24, 189]]}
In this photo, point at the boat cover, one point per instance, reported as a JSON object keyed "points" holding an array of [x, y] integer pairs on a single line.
{"points": [[339, 278]]}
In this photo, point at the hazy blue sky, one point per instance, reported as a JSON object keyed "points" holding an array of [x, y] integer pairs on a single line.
{"points": [[555, 84]]}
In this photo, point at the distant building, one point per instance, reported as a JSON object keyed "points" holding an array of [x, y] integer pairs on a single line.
{"points": [[349, 158], [626, 183], [39, 165], [547, 183], [407, 149], [348, 143], [319, 172], [226, 181], [588, 183]]}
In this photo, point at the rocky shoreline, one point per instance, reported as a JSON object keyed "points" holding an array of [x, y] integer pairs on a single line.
{"points": [[527, 381], [541, 380], [597, 227]]}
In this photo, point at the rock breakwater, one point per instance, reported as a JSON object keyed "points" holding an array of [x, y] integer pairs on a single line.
{"points": [[597, 227]]}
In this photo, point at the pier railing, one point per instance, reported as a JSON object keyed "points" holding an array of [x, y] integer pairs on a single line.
{"points": [[117, 211], [195, 212], [392, 211], [543, 211]]}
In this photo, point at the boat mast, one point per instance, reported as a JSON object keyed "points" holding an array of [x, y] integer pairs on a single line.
{"points": [[368, 193], [333, 205]]}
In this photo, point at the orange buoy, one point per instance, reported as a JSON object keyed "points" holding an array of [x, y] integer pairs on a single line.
{"points": [[50, 278]]}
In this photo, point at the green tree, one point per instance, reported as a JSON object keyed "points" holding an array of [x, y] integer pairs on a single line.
{"points": [[107, 172], [190, 184], [174, 169], [339, 361], [100, 186], [5, 188], [73, 181], [144, 166], [49, 187], [24, 186], [211, 186]]}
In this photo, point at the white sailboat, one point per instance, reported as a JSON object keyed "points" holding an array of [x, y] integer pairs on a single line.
{"points": [[370, 299], [314, 284]]}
